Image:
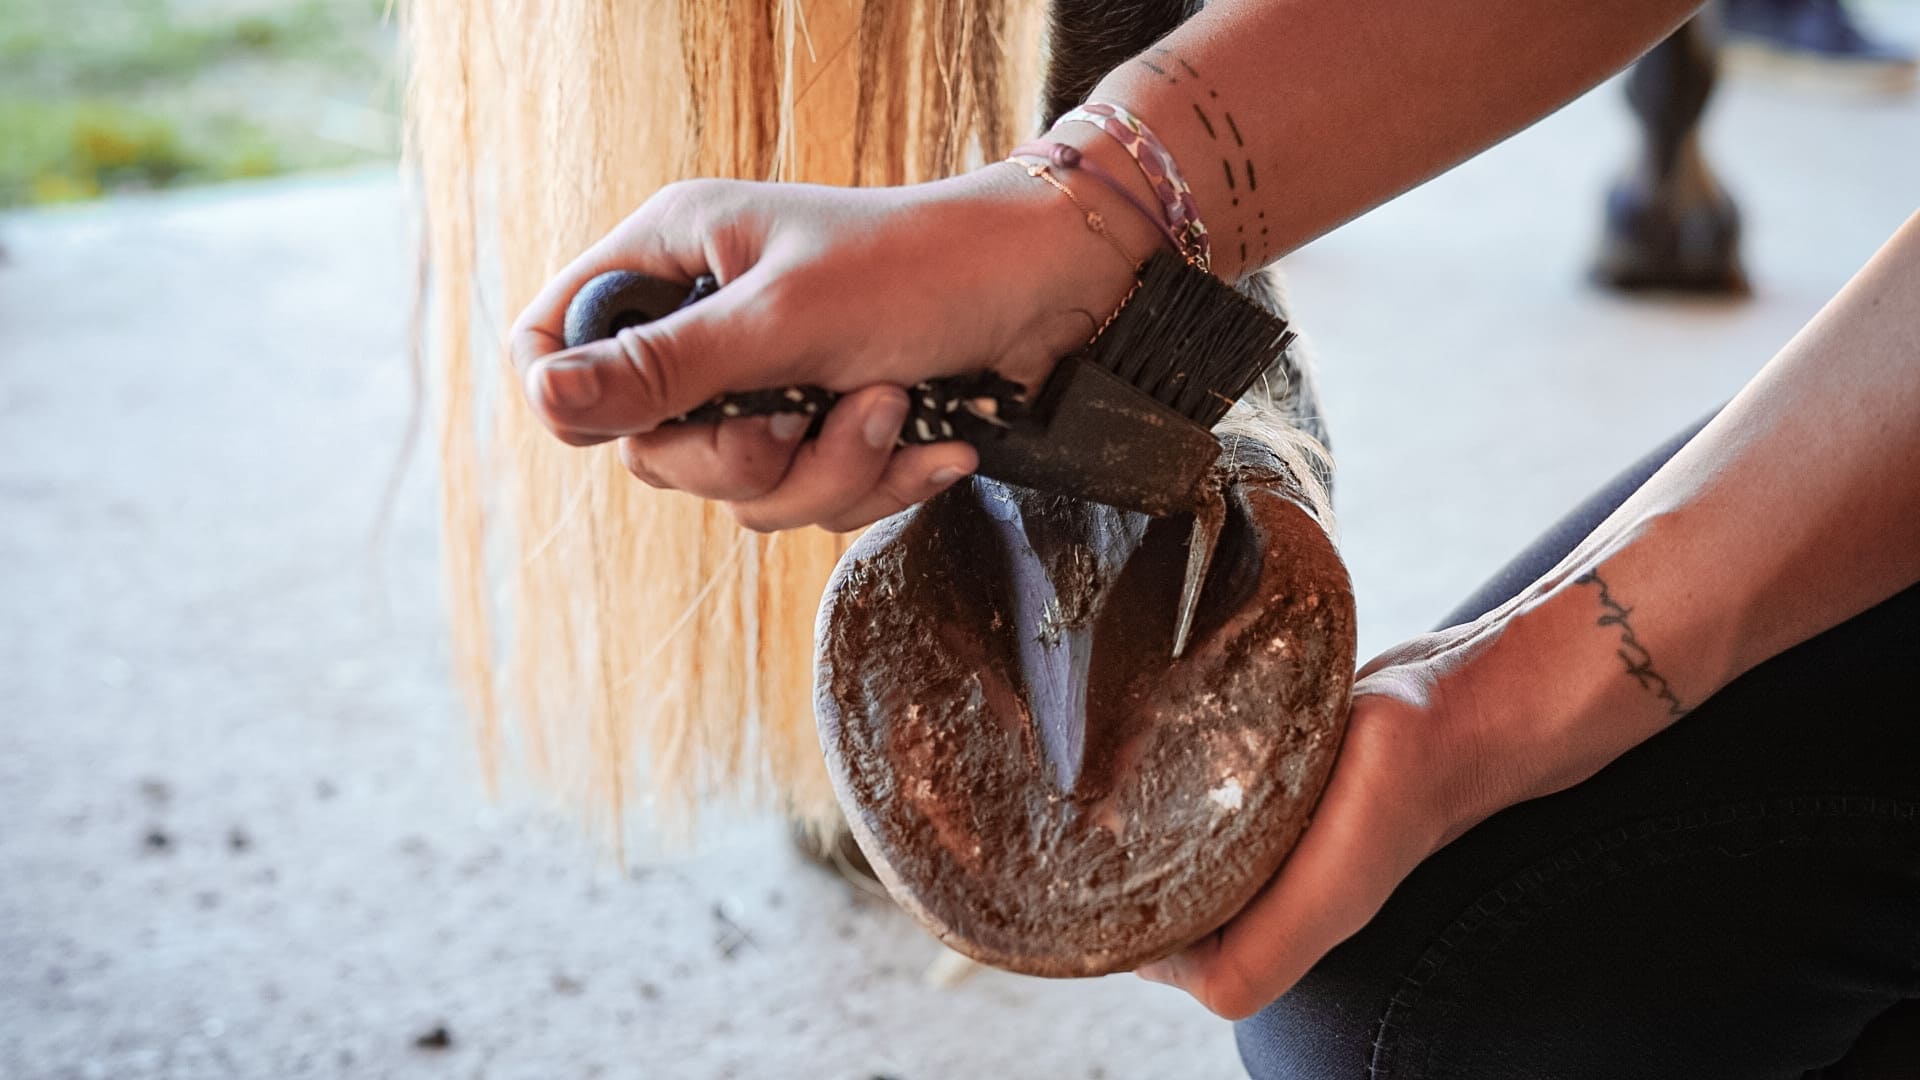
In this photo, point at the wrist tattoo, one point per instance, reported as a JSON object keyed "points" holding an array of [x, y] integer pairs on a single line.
{"points": [[1639, 661], [1204, 121], [1237, 165]]}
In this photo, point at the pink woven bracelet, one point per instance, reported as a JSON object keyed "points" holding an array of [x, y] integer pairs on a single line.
{"points": [[1064, 156], [1176, 198]]}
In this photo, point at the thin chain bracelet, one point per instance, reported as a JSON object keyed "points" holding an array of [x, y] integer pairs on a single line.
{"points": [[1096, 221], [1067, 157]]}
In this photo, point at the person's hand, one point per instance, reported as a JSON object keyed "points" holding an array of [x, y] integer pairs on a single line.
{"points": [[1405, 783], [1793, 510], [1446, 730], [857, 290]]}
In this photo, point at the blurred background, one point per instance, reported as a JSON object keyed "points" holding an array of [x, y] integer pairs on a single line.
{"points": [[102, 98], [242, 832]]}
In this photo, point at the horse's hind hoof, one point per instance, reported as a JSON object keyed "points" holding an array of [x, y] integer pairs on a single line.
{"points": [[1030, 773]]}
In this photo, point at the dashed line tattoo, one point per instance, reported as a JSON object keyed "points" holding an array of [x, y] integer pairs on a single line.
{"points": [[1633, 654], [1204, 122], [1166, 58]]}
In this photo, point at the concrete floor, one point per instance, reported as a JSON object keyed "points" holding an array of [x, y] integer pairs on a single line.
{"points": [[241, 833]]}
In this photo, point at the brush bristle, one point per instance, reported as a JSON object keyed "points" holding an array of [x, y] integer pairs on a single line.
{"points": [[1190, 341]]}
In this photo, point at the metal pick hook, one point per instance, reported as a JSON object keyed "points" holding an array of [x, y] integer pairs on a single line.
{"points": [[1209, 518]]}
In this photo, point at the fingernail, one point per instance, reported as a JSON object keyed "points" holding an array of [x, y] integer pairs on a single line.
{"points": [[788, 426], [570, 384], [945, 475], [882, 429]]}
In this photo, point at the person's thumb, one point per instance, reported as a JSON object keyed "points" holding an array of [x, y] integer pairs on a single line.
{"points": [[630, 383]]}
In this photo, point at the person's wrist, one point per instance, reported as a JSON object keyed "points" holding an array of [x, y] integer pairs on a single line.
{"points": [[1102, 156], [1055, 278], [1534, 697], [1588, 662], [1503, 712]]}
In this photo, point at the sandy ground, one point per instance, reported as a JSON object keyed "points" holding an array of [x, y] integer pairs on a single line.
{"points": [[241, 833]]}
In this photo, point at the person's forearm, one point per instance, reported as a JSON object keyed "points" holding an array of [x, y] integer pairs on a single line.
{"points": [[1798, 506], [1795, 509], [1289, 117]]}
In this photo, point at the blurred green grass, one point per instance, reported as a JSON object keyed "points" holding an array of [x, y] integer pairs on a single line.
{"points": [[104, 96]]}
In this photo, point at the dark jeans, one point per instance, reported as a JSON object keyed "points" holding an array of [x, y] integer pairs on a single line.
{"points": [[1737, 897]]}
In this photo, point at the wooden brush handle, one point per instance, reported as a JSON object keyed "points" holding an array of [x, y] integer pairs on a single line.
{"points": [[970, 407]]}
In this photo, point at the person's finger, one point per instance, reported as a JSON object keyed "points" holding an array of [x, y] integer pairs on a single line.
{"points": [[1358, 849], [666, 237], [741, 338], [735, 459], [915, 474], [832, 473], [753, 333], [1182, 969], [636, 463]]}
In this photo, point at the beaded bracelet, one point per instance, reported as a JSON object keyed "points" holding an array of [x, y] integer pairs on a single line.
{"points": [[1176, 198]]}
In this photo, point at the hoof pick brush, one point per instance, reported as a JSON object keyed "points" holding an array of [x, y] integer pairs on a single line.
{"points": [[1126, 420]]}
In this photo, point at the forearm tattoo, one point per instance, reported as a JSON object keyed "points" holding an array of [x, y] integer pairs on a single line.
{"points": [[1639, 661], [1237, 164]]}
